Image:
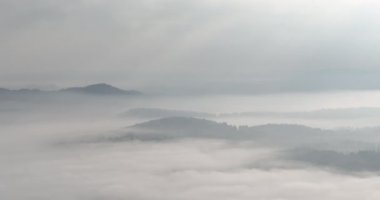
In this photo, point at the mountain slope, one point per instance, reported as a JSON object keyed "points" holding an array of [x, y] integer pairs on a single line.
{"points": [[182, 127], [151, 113], [188, 127]]}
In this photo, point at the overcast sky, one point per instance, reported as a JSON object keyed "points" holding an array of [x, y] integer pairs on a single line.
{"points": [[244, 46]]}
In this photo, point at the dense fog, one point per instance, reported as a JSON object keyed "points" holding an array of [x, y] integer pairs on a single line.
{"points": [[74, 146], [189, 100]]}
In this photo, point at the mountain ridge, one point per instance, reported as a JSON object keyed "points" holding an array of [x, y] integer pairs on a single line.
{"points": [[93, 89], [180, 127], [100, 88]]}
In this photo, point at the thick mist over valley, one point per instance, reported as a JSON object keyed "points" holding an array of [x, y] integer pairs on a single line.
{"points": [[189, 100], [75, 145]]}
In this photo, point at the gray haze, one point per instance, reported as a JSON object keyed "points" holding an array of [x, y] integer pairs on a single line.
{"points": [[201, 46], [84, 144], [68, 151], [189, 100]]}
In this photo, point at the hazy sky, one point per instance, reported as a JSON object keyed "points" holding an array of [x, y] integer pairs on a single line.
{"points": [[191, 46]]}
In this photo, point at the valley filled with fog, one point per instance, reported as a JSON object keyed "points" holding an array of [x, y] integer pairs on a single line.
{"points": [[189, 100], [74, 145]]}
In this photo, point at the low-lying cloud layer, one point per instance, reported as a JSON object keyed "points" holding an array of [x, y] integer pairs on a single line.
{"points": [[38, 164], [78, 146], [190, 169]]}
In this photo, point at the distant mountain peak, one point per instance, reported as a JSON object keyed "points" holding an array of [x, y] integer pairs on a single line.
{"points": [[101, 89], [100, 85]]}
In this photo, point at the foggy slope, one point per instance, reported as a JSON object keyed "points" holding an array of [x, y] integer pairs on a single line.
{"points": [[151, 113], [195, 127]]}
